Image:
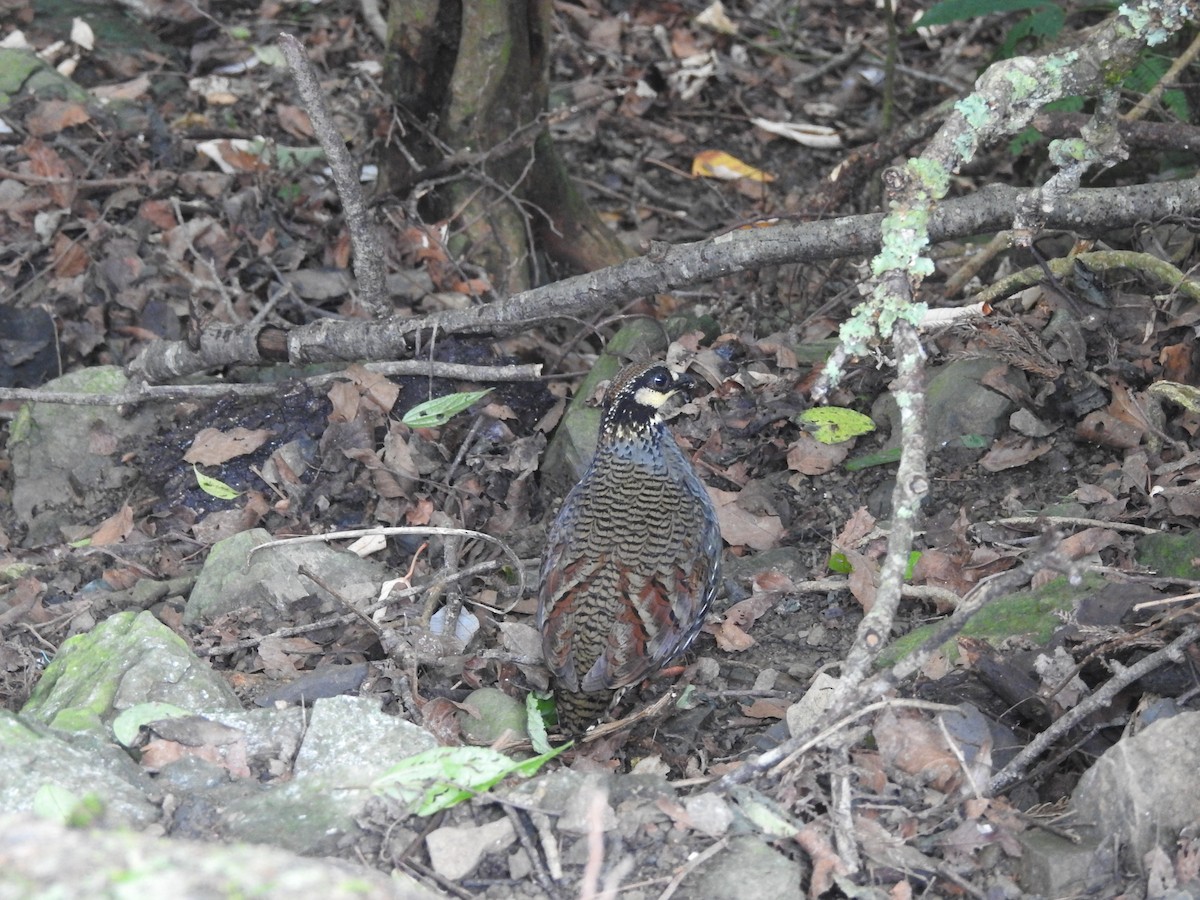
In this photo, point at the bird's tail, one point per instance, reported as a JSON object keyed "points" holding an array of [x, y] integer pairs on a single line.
{"points": [[576, 712]]}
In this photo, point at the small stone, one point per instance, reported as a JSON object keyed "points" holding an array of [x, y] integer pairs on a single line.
{"points": [[748, 867], [709, 813], [706, 670], [818, 636], [519, 866], [488, 713], [578, 815], [808, 708], [766, 680], [454, 852]]}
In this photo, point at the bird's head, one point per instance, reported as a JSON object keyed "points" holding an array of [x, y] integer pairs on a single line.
{"points": [[635, 398]]}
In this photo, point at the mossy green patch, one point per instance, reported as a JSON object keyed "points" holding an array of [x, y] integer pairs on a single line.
{"points": [[1033, 615], [1172, 555]]}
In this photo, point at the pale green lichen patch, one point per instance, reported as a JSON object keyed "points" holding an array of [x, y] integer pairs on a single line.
{"points": [[1022, 84], [975, 110], [1157, 21], [1064, 152], [858, 331], [932, 176], [905, 234]]}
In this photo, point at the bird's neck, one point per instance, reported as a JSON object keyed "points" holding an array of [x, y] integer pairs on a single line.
{"points": [[645, 433]]}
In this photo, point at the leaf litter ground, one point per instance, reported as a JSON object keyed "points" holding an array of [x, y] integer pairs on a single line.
{"points": [[1047, 412]]}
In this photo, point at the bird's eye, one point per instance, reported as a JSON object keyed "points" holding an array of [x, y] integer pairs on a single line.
{"points": [[660, 380]]}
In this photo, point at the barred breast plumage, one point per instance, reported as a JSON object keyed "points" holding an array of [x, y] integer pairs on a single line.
{"points": [[632, 559]]}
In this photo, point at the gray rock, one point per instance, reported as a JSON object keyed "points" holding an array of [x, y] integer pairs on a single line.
{"points": [[269, 581], [349, 743], [32, 759], [577, 816], [1144, 789], [1052, 866], [709, 814], [127, 659], [548, 792], [65, 467], [1138, 796], [454, 851], [958, 403], [43, 860], [749, 866]]}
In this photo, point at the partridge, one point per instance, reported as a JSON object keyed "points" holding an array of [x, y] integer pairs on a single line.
{"points": [[632, 558]]}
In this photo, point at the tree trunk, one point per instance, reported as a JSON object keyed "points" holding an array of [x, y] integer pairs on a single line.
{"points": [[471, 83]]}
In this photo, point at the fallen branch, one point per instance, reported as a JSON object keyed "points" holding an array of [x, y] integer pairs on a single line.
{"points": [[1091, 211], [142, 393]]}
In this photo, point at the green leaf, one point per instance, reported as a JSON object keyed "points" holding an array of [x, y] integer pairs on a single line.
{"points": [[536, 708], [440, 410], [58, 804], [1042, 25], [1148, 71], [445, 776], [913, 557], [213, 487], [838, 563], [270, 55], [128, 723], [882, 458], [835, 424]]}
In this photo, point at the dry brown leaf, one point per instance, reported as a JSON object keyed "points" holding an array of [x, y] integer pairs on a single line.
{"points": [[808, 456], [857, 527], [730, 638], [345, 399], [746, 612], [380, 390], [814, 840], [120, 579], [915, 745], [742, 528], [1088, 541], [277, 661], [1011, 452], [52, 116], [212, 447], [764, 709], [133, 89], [70, 259], [772, 580], [1093, 493], [420, 513], [940, 569], [195, 736], [294, 120], [44, 161], [439, 716], [115, 528], [863, 578]]}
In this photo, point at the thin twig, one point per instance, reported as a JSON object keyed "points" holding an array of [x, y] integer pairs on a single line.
{"points": [[1124, 677], [408, 530], [693, 864], [368, 255], [1043, 521], [141, 392]]}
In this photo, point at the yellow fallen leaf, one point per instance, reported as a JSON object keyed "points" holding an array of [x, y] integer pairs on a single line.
{"points": [[717, 19], [718, 164]]}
